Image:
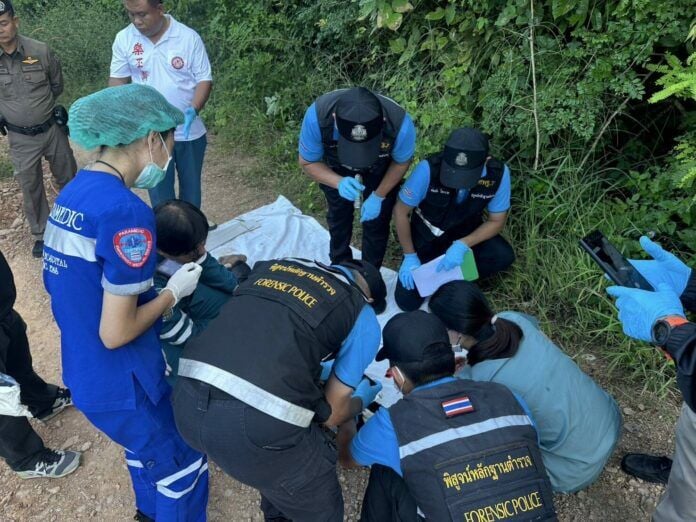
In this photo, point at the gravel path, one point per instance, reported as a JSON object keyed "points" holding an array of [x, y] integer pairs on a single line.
{"points": [[100, 489]]}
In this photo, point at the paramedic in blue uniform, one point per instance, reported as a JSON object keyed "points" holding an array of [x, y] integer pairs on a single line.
{"points": [[99, 262], [450, 449], [348, 132], [440, 210], [249, 393]]}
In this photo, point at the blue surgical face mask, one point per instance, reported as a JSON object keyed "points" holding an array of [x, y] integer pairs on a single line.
{"points": [[152, 174]]}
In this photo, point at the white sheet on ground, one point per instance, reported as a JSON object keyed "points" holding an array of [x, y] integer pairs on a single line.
{"points": [[283, 231]]}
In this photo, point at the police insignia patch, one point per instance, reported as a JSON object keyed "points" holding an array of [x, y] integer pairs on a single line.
{"points": [[358, 133], [454, 407], [30, 61], [133, 246]]}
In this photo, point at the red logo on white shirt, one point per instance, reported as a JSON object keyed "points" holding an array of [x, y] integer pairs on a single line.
{"points": [[138, 49], [133, 246], [177, 62]]}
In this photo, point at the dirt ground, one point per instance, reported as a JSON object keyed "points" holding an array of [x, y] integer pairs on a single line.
{"points": [[100, 489]]}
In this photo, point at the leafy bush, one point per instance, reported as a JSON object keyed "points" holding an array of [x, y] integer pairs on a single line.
{"points": [[560, 85]]}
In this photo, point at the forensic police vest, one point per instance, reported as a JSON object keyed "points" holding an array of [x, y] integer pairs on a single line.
{"points": [[394, 116], [469, 453], [266, 345], [440, 207]]}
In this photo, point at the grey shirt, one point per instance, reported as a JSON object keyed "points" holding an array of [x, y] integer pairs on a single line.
{"points": [[30, 81]]}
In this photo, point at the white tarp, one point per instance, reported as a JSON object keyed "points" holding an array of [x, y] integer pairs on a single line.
{"points": [[283, 231]]}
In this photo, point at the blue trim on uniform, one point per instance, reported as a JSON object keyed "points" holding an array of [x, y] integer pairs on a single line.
{"points": [[311, 148], [415, 189]]}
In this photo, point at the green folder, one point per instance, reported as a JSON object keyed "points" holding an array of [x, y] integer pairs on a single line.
{"points": [[469, 270]]}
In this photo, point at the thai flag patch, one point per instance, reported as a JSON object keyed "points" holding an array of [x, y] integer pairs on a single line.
{"points": [[454, 407]]}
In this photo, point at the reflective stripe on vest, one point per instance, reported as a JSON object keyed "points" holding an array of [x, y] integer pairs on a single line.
{"points": [[247, 392], [470, 430]]}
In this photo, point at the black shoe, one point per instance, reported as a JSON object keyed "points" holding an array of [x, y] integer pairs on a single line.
{"points": [[211, 226], [647, 467], [142, 517], [37, 249], [63, 400], [52, 464]]}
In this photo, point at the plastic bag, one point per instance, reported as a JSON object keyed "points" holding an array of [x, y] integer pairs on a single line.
{"points": [[10, 402]]}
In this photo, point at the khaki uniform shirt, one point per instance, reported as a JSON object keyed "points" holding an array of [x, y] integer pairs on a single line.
{"points": [[30, 81]]}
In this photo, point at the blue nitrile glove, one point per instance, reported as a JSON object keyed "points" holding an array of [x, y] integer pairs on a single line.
{"points": [[410, 263], [454, 256], [666, 268], [189, 117], [371, 207], [326, 368], [639, 309], [349, 188], [367, 392]]}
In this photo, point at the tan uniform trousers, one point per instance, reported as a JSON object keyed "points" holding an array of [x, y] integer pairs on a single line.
{"points": [[678, 504], [26, 153]]}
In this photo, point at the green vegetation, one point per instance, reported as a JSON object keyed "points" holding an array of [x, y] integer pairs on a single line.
{"points": [[562, 85]]}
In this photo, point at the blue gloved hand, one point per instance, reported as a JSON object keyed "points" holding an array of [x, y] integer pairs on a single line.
{"points": [[371, 207], [189, 117], [454, 256], [367, 392], [349, 188], [639, 309], [664, 268], [326, 368], [410, 263]]}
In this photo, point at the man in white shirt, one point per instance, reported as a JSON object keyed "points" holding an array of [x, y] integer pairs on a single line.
{"points": [[159, 51]]}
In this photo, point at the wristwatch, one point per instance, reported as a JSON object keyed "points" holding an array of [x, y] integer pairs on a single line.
{"points": [[663, 327]]}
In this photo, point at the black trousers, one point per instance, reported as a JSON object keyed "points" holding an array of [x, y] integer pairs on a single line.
{"points": [[375, 232], [387, 498], [19, 443], [492, 256], [293, 468]]}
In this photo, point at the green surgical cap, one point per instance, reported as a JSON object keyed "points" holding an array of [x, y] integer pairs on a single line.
{"points": [[121, 115]]}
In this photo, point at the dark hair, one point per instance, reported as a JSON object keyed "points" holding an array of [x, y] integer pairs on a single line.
{"points": [[181, 227], [432, 368], [462, 306]]}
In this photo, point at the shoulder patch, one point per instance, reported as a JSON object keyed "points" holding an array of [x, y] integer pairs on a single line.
{"points": [[454, 407], [133, 246]]}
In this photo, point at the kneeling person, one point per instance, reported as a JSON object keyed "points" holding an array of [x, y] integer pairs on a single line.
{"points": [[182, 230], [450, 449], [440, 211], [249, 393]]}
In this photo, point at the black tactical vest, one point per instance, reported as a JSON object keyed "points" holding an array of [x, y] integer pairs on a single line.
{"points": [[394, 116], [440, 205], [469, 453], [286, 318]]}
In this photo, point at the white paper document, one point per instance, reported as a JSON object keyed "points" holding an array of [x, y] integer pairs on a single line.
{"points": [[428, 279]]}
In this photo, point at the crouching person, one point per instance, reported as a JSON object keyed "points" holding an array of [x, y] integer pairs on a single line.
{"points": [[182, 230], [450, 449]]}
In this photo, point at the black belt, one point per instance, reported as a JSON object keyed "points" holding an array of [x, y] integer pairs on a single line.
{"points": [[31, 131]]}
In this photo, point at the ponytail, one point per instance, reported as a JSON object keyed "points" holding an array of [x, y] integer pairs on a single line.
{"points": [[464, 308]]}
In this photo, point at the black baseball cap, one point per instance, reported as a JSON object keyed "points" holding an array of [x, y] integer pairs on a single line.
{"points": [[414, 337], [6, 7], [378, 290], [359, 121], [463, 159]]}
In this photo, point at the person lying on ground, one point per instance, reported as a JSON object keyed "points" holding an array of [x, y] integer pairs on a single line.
{"points": [[579, 423], [182, 230], [451, 449]]}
